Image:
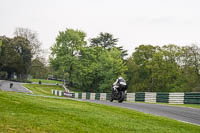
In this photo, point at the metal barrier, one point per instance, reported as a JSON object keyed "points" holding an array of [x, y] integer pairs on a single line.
{"points": [[148, 97]]}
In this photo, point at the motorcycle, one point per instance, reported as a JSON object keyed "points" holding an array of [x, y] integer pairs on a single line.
{"points": [[118, 94]]}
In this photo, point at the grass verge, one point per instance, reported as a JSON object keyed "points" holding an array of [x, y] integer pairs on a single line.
{"points": [[183, 105], [42, 89], [47, 81], [23, 113], [177, 105]]}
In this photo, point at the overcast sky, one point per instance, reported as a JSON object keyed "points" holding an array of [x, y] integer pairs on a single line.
{"points": [[134, 22]]}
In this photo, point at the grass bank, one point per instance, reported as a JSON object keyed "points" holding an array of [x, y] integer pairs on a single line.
{"points": [[42, 89], [177, 105], [190, 105], [23, 113], [47, 81], [183, 105]]}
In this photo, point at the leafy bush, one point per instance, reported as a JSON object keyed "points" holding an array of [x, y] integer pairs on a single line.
{"points": [[21, 80], [3, 75]]}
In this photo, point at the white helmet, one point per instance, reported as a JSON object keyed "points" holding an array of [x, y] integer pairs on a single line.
{"points": [[120, 77]]}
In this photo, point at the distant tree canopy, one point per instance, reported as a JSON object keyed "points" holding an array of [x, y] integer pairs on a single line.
{"points": [[104, 40], [89, 68], [39, 69], [32, 37], [107, 41], [15, 55], [163, 69], [94, 65]]}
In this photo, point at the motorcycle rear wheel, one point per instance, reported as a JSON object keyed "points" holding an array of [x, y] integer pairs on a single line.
{"points": [[111, 99], [122, 97]]}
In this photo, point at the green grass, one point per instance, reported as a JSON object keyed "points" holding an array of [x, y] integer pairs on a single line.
{"points": [[177, 105], [183, 105], [75, 90], [23, 113], [191, 105], [47, 81], [42, 89]]}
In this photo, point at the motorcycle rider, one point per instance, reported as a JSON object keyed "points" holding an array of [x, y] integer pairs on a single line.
{"points": [[120, 84]]}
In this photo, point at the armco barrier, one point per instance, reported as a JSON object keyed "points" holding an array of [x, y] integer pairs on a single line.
{"points": [[176, 98], [91, 96], [76, 95], [87, 95], [130, 97], [80, 95], [108, 96], [192, 98], [102, 96], [83, 95], [149, 97], [97, 96], [140, 96], [162, 97]]}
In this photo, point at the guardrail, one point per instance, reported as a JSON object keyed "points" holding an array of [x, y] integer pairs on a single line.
{"points": [[148, 97]]}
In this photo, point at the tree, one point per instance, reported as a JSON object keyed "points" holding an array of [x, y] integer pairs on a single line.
{"points": [[107, 41], [111, 67], [39, 68], [124, 53], [141, 60], [192, 58], [15, 56], [104, 40], [190, 67], [87, 69], [0, 45], [23, 49], [66, 50], [164, 69], [32, 37], [8, 56], [98, 68]]}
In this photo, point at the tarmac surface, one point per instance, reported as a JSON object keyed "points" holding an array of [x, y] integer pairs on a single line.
{"points": [[184, 114], [17, 87]]}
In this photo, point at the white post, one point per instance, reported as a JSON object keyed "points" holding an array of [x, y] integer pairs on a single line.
{"points": [[176, 98], [130, 97], [76, 95], [150, 97], [83, 95], [102, 96], [92, 96]]}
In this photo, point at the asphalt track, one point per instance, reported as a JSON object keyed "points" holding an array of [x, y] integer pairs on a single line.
{"points": [[184, 114], [17, 87]]}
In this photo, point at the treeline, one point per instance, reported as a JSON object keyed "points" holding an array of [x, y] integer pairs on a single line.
{"points": [[91, 68], [94, 66], [15, 56], [21, 55], [164, 69]]}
